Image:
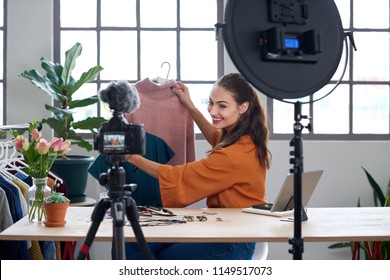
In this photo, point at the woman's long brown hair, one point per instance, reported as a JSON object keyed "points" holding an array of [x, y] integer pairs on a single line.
{"points": [[253, 122]]}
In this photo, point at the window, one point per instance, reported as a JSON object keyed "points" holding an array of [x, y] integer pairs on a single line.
{"points": [[359, 107], [133, 40], [3, 21]]}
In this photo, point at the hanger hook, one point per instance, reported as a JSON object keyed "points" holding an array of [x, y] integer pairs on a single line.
{"points": [[169, 68]]}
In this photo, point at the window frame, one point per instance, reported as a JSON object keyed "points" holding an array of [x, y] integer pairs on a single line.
{"points": [[57, 44], [3, 80], [309, 135]]}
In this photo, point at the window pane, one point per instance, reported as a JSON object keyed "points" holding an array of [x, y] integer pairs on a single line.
{"points": [[156, 48], [331, 114], [344, 10], [85, 91], [76, 13], [371, 60], [371, 14], [88, 57], [119, 55], [283, 116], [198, 13], [371, 109], [200, 96], [118, 13], [157, 13], [198, 55]]}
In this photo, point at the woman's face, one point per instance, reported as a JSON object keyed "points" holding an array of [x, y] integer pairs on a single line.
{"points": [[223, 109]]}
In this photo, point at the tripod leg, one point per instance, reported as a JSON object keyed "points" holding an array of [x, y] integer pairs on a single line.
{"points": [[97, 217], [118, 216], [132, 216]]}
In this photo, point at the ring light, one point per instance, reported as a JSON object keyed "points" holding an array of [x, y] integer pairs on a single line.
{"points": [[287, 49]]}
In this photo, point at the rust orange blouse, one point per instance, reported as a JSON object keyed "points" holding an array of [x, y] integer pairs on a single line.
{"points": [[230, 177]]}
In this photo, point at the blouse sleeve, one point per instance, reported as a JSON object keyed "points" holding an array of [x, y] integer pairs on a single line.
{"points": [[183, 185]]}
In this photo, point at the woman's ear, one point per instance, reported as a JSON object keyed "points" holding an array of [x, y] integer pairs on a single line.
{"points": [[243, 107]]}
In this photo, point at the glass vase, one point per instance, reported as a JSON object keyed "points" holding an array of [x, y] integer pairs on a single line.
{"points": [[36, 195]]}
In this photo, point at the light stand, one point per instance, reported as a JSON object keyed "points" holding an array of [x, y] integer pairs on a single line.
{"points": [[297, 170]]}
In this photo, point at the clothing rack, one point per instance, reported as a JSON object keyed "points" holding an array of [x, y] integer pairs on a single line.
{"points": [[15, 127]]}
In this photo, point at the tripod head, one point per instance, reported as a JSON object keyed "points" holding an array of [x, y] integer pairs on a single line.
{"points": [[115, 179]]}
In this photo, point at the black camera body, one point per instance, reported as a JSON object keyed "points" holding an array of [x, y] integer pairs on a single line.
{"points": [[116, 137]]}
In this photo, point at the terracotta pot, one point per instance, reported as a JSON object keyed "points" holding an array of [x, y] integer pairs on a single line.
{"points": [[55, 214]]}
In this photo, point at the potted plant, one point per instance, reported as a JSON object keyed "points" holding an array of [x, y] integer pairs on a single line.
{"points": [[56, 205], [59, 83], [380, 200]]}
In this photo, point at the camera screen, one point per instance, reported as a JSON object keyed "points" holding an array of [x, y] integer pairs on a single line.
{"points": [[114, 141]]}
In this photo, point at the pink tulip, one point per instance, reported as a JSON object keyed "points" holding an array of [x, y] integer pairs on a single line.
{"points": [[21, 144], [56, 144], [35, 135], [42, 147], [65, 147]]}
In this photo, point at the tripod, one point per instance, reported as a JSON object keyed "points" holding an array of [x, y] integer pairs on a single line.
{"points": [[121, 204], [297, 161]]}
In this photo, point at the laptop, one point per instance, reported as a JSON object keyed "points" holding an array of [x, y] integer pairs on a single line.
{"points": [[284, 202]]}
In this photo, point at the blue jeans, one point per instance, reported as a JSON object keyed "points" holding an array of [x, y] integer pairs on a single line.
{"points": [[193, 251]]}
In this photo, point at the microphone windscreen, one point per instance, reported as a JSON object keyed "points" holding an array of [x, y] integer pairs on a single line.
{"points": [[121, 96]]}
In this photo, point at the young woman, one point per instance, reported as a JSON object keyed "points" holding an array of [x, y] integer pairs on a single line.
{"points": [[232, 175]]}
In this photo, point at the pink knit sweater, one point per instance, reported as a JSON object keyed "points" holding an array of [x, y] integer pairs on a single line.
{"points": [[163, 115]]}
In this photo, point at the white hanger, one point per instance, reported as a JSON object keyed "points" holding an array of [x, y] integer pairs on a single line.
{"points": [[15, 157], [162, 80]]}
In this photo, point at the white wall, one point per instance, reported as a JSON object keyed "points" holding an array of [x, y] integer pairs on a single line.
{"points": [[29, 38]]}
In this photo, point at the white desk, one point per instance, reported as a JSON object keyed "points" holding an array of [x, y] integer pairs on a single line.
{"points": [[324, 224]]}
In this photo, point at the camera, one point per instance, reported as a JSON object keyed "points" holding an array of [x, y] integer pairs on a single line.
{"points": [[117, 137]]}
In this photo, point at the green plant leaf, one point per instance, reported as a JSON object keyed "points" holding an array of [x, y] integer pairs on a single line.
{"points": [[91, 123], [83, 144], [58, 113], [70, 62], [378, 194], [387, 201], [340, 245], [39, 81], [53, 73], [86, 77], [85, 102], [60, 85], [57, 126]]}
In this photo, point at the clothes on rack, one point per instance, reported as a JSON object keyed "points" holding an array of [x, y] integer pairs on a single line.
{"points": [[14, 185], [10, 198], [162, 115]]}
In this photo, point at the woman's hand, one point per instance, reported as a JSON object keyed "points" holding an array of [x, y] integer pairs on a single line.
{"points": [[204, 125], [182, 92]]}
